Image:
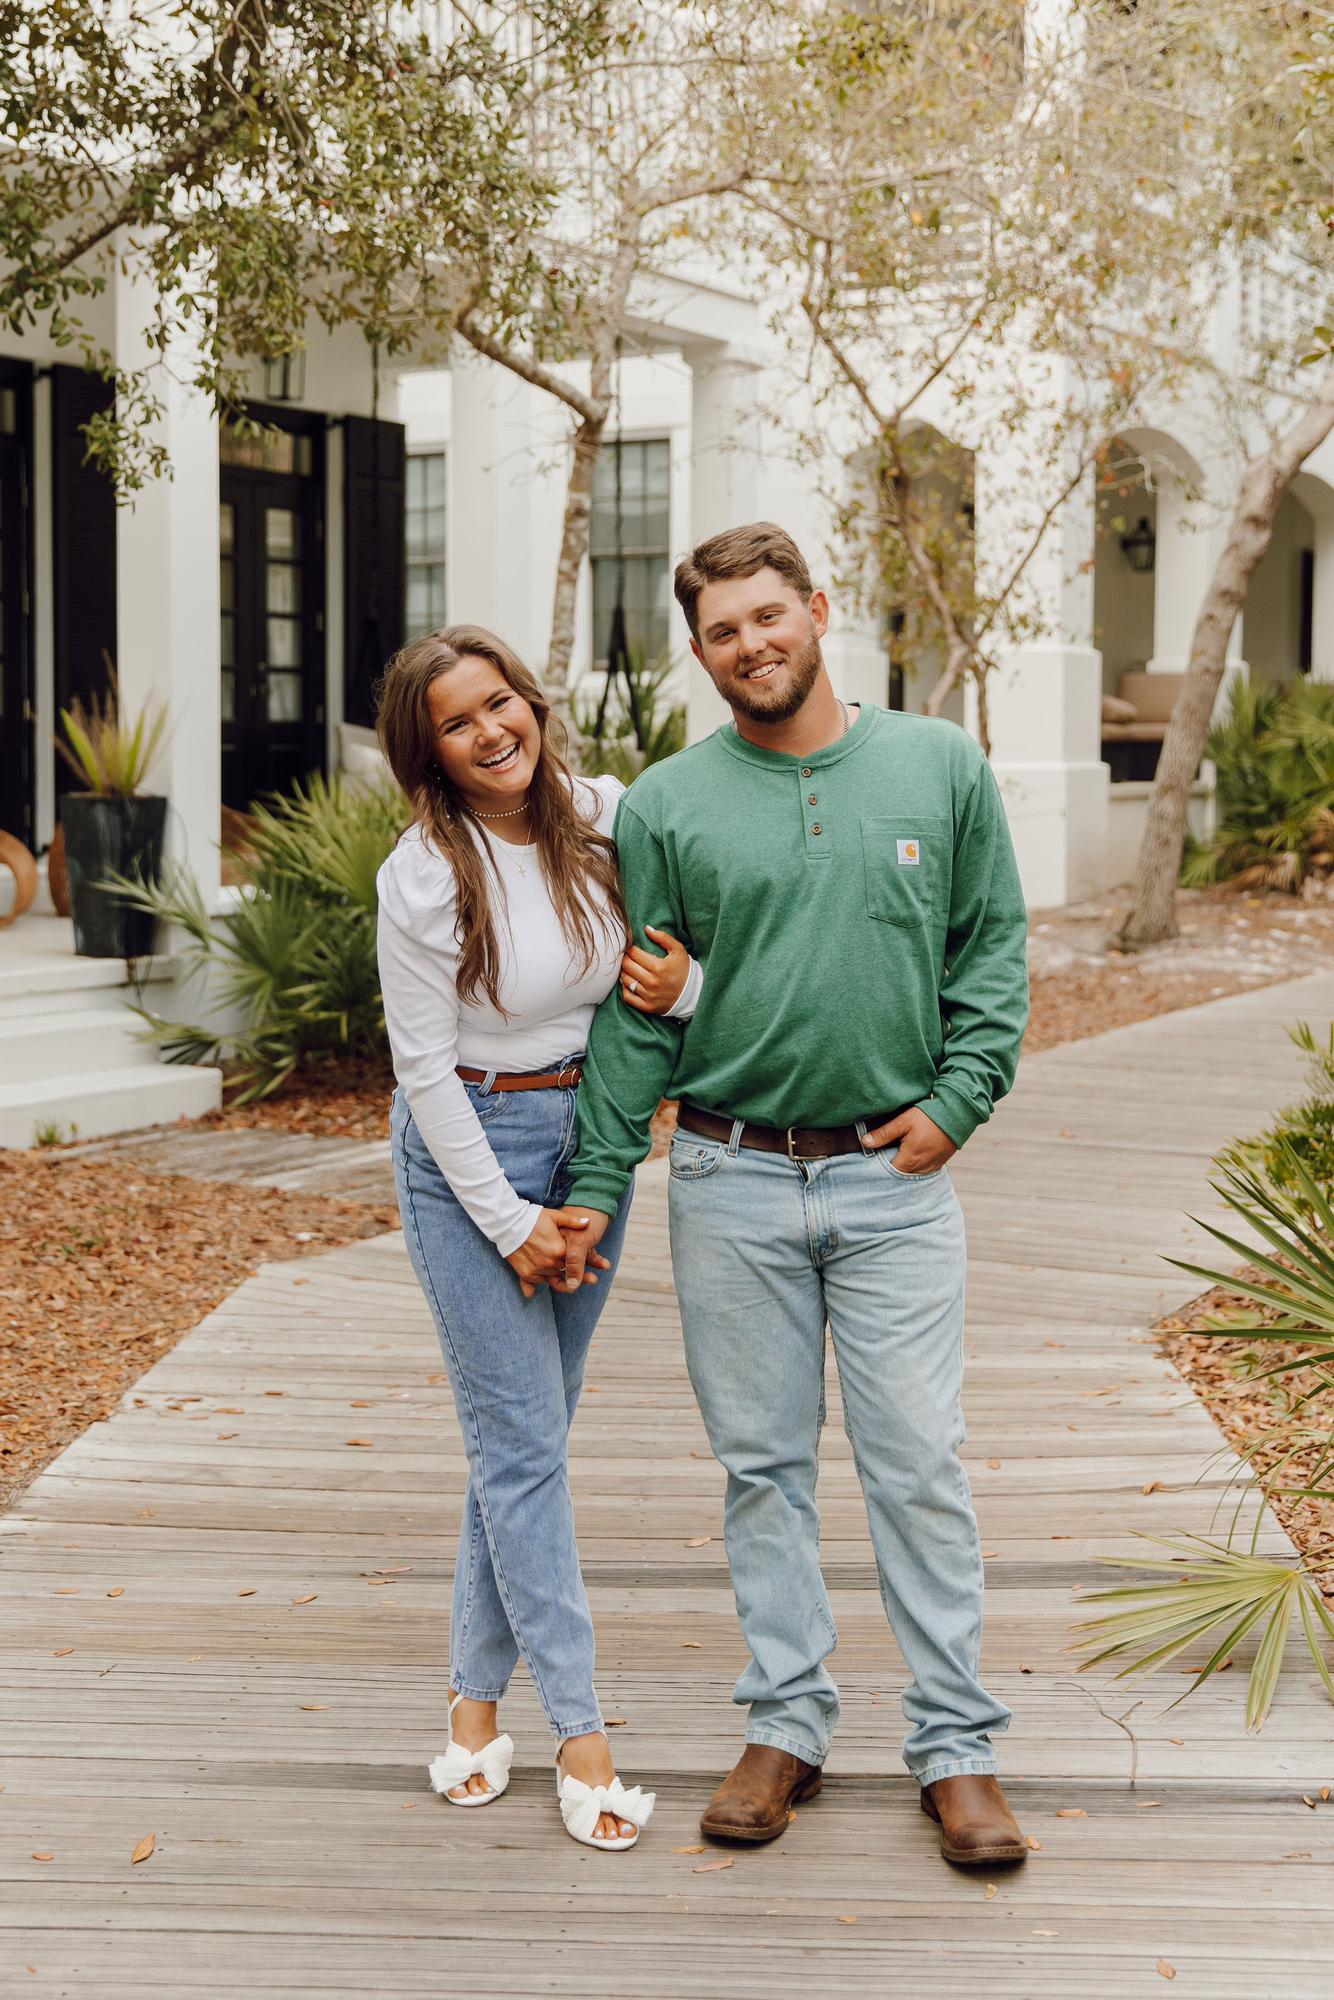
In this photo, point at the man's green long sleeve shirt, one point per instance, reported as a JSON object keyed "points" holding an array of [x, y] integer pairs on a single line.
{"points": [[860, 922]]}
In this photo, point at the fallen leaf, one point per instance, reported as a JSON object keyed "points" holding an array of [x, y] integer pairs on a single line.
{"points": [[712, 1867], [847, 1920], [1152, 1486], [1296, 1854], [689, 1850], [394, 1569], [144, 1849], [246, 1593], [119, 1591], [1165, 1970], [437, 1378], [43, 1857], [378, 1582], [1146, 1805], [1035, 1843], [309, 1597], [989, 1555], [193, 1658], [1023, 1669], [994, 1464], [1223, 1665], [362, 1405], [614, 1721], [1178, 1740], [1324, 1791], [1071, 1812], [311, 1706], [63, 1652], [410, 1807], [992, 1892], [590, 1389], [1307, 1800], [690, 1645], [1044, 1933], [699, 1454], [69, 1590], [223, 1436], [698, 1542], [278, 1392], [361, 1441]]}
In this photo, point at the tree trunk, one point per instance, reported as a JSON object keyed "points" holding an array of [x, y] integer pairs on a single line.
{"points": [[1152, 915], [573, 548]]}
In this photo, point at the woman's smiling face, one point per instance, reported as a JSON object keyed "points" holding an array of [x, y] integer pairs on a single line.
{"points": [[487, 739]]}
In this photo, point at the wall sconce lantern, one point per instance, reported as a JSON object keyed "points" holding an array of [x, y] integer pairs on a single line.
{"points": [[285, 377], [1140, 547]]}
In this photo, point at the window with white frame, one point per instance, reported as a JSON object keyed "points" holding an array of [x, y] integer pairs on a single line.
{"points": [[425, 542], [643, 545]]}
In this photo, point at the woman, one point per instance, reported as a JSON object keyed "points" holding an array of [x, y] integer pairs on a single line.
{"points": [[501, 928]]}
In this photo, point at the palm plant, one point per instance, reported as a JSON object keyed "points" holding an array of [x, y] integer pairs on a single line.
{"points": [[1274, 757], [112, 757], [295, 955], [622, 737], [1212, 1590]]}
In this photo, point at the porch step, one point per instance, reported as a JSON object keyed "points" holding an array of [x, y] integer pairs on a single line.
{"points": [[56, 982], [92, 1105], [37, 1045]]}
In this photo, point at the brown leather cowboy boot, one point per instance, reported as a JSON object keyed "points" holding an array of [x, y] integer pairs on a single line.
{"points": [[755, 1799], [976, 1825]]}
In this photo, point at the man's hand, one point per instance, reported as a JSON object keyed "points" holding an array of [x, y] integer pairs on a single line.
{"points": [[923, 1147], [584, 1229], [651, 982], [541, 1260]]}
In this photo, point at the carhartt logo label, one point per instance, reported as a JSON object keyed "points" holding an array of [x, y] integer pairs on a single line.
{"points": [[910, 854]]}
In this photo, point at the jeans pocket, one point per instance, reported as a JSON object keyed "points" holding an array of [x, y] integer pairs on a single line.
{"points": [[691, 1159], [887, 1156]]}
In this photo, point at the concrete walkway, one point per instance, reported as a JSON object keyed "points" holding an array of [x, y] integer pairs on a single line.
{"points": [[224, 1624]]}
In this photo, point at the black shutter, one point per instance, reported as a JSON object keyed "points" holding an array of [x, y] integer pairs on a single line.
{"points": [[375, 558], [83, 546]]}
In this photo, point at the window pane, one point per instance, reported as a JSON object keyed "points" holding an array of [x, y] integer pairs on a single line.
{"points": [[284, 640], [228, 695], [434, 465], [280, 531], [283, 697], [227, 527], [228, 639], [282, 584], [228, 584]]}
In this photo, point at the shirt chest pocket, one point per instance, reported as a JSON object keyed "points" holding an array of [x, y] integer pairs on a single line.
{"points": [[908, 863]]}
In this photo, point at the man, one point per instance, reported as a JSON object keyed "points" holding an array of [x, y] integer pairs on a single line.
{"points": [[847, 880]]}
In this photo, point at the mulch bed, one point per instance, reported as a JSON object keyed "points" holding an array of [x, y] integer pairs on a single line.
{"points": [[103, 1273], [1244, 1409]]}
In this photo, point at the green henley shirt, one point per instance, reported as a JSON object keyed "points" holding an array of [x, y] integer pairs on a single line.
{"points": [[860, 922]]}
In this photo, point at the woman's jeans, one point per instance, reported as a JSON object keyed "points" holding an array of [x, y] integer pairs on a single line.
{"points": [[766, 1250], [516, 1366]]}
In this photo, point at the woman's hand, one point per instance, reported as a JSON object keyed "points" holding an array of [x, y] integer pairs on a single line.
{"points": [[653, 983], [541, 1259]]}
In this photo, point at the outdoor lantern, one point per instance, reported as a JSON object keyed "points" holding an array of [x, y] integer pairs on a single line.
{"points": [[1139, 548], [285, 377]]}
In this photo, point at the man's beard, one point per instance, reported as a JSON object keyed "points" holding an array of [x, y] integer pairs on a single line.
{"points": [[759, 704]]}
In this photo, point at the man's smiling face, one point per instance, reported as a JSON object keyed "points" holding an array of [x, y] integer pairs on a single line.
{"points": [[759, 643]]}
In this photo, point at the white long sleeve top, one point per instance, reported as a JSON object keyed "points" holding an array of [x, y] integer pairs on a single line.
{"points": [[548, 1004]]}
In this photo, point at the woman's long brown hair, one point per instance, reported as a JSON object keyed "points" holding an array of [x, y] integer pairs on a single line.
{"points": [[578, 863]]}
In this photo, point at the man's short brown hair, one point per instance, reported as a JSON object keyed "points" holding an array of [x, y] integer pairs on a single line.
{"points": [[739, 552]]}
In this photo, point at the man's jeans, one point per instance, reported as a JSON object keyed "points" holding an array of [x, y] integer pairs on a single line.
{"points": [[516, 1366], [765, 1250]]}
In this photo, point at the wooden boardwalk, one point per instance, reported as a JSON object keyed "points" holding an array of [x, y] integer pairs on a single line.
{"points": [[224, 1623]]}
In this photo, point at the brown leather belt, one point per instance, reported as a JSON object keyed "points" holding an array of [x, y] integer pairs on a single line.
{"points": [[556, 1079], [797, 1142]]}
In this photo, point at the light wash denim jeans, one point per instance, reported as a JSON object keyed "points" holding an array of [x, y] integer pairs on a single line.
{"points": [[764, 1251], [516, 1366]]}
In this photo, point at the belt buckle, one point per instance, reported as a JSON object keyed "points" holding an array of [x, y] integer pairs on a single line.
{"points": [[572, 1069], [790, 1135]]}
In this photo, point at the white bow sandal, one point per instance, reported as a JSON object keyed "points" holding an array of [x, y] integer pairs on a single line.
{"points": [[582, 1806], [457, 1765]]}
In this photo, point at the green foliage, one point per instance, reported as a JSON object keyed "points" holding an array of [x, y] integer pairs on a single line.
{"points": [[1303, 1131], [1274, 755], [109, 755], [1211, 1593], [612, 742], [296, 953], [52, 1133]]}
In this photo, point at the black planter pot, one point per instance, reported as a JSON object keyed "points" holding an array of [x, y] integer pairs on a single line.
{"points": [[107, 836]]}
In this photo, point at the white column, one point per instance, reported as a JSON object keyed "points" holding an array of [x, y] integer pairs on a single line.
{"points": [[168, 637], [1322, 620], [1183, 561], [1045, 694], [507, 464], [725, 484]]}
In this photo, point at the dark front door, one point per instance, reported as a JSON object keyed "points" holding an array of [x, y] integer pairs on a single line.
{"points": [[17, 802], [272, 551]]}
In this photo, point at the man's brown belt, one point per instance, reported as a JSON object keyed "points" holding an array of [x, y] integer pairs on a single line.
{"points": [[797, 1142], [556, 1079]]}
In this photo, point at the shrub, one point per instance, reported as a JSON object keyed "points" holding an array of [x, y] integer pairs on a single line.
{"points": [[627, 729], [1305, 1131], [296, 953], [1274, 756]]}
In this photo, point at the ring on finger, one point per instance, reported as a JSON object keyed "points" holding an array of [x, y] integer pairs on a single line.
{"points": [[632, 985]]}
